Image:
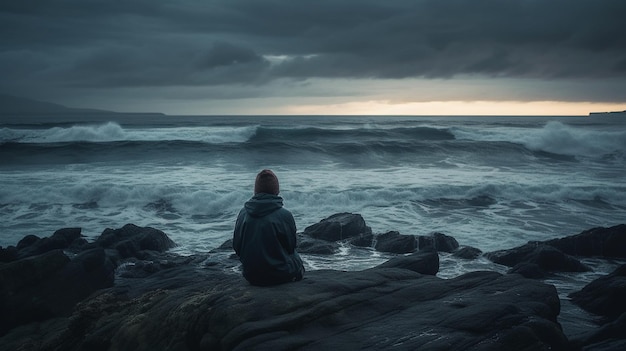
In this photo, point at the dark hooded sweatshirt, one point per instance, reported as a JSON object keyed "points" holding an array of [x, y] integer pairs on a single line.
{"points": [[265, 240]]}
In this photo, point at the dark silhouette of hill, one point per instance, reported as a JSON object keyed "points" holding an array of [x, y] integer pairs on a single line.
{"points": [[23, 106]]}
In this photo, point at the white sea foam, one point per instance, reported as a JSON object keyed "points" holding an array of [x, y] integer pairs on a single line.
{"points": [[111, 131], [554, 137]]}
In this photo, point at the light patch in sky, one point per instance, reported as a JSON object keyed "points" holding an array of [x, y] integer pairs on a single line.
{"points": [[448, 108]]}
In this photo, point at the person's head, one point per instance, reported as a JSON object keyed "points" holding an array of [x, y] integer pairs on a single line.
{"points": [[266, 182]]}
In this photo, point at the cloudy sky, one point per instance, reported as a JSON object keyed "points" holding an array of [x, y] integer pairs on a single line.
{"points": [[318, 57]]}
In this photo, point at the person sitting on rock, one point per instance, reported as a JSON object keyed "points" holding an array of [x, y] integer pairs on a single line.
{"points": [[265, 236]]}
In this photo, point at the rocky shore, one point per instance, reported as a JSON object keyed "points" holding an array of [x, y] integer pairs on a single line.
{"points": [[125, 291]]}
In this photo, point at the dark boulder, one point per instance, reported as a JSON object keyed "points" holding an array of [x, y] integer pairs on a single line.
{"points": [[395, 242], [134, 241], [8, 254], [337, 227], [64, 238], [315, 246], [423, 262], [43, 283], [511, 257], [609, 337], [605, 296], [362, 240], [438, 241], [467, 253], [27, 241], [600, 242], [553, 260], [49, 285], [226, 246], [25, 289], [547, 258], [528, 270]]}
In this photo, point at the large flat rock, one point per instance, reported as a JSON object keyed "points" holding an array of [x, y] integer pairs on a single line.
{"points": [[380, 308]]}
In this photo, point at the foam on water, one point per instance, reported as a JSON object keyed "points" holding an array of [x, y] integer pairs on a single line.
{"points": [[555, 137], [111, 131]]}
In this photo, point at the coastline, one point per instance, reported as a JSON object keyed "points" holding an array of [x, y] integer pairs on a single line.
{"points": [[91, 293]]}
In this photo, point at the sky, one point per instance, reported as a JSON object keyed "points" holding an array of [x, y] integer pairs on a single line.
{"points": [[323, 57]]}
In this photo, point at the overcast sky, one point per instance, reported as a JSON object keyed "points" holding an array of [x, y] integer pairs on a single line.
{"points": [[317, 57]]}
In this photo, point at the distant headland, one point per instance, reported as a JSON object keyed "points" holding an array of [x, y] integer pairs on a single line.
{"points": [[611, 113], [20, 106]]}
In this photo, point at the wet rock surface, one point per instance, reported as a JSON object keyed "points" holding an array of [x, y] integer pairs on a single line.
{"points": [[125, 291]]}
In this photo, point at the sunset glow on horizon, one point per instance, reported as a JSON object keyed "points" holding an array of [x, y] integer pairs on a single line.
{"points": [[457, 108]]}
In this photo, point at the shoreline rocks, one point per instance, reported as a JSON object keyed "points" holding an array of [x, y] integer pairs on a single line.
{"points": [[125, 291]]}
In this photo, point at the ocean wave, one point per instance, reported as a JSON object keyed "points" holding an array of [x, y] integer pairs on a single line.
{"points": [[338, 135], [554, 137], [113, 132]]}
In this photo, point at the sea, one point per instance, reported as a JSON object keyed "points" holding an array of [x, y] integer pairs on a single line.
{"points": [[491, 182]]}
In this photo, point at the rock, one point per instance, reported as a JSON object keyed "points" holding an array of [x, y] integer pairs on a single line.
{"points": [[439, 242], [337, 227], [605, 296], [32, 245], [375, 309], [24, 292], [226, 246], [528, 270], [468, 253], [89, 271], [547, 258], [132, 241], [598, 242], [316, 247], [8, 254], [423, 262], [553, 260], [611, 336], [49, 285], [27, 241], [395, 242], [41, 282], [362, 240], [511, 257]]}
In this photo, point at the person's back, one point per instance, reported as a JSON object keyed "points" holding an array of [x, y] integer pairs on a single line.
{"points": [[265, 236]]}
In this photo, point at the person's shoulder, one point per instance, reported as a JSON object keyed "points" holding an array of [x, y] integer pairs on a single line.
{"points": [[283, 212]]}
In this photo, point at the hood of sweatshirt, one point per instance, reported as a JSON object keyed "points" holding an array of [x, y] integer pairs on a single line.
{"points": [[263, 204]]}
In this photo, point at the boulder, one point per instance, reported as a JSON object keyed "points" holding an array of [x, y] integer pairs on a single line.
{"points": [[64, 238], [467, 253], [528, 270], [423, 262], [24, 292], [315, 246], [382, 308], [362, 240], [133, 241], [511, 257], [49, 285], [8, 254], [438, 241], [598, 242], [337, 227], [545, 257], [40, 282], [394, 242], [226, 246], [605, 296], [609, 337]]}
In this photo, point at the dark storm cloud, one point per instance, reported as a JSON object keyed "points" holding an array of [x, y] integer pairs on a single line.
{"points": [[78, 43]]}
